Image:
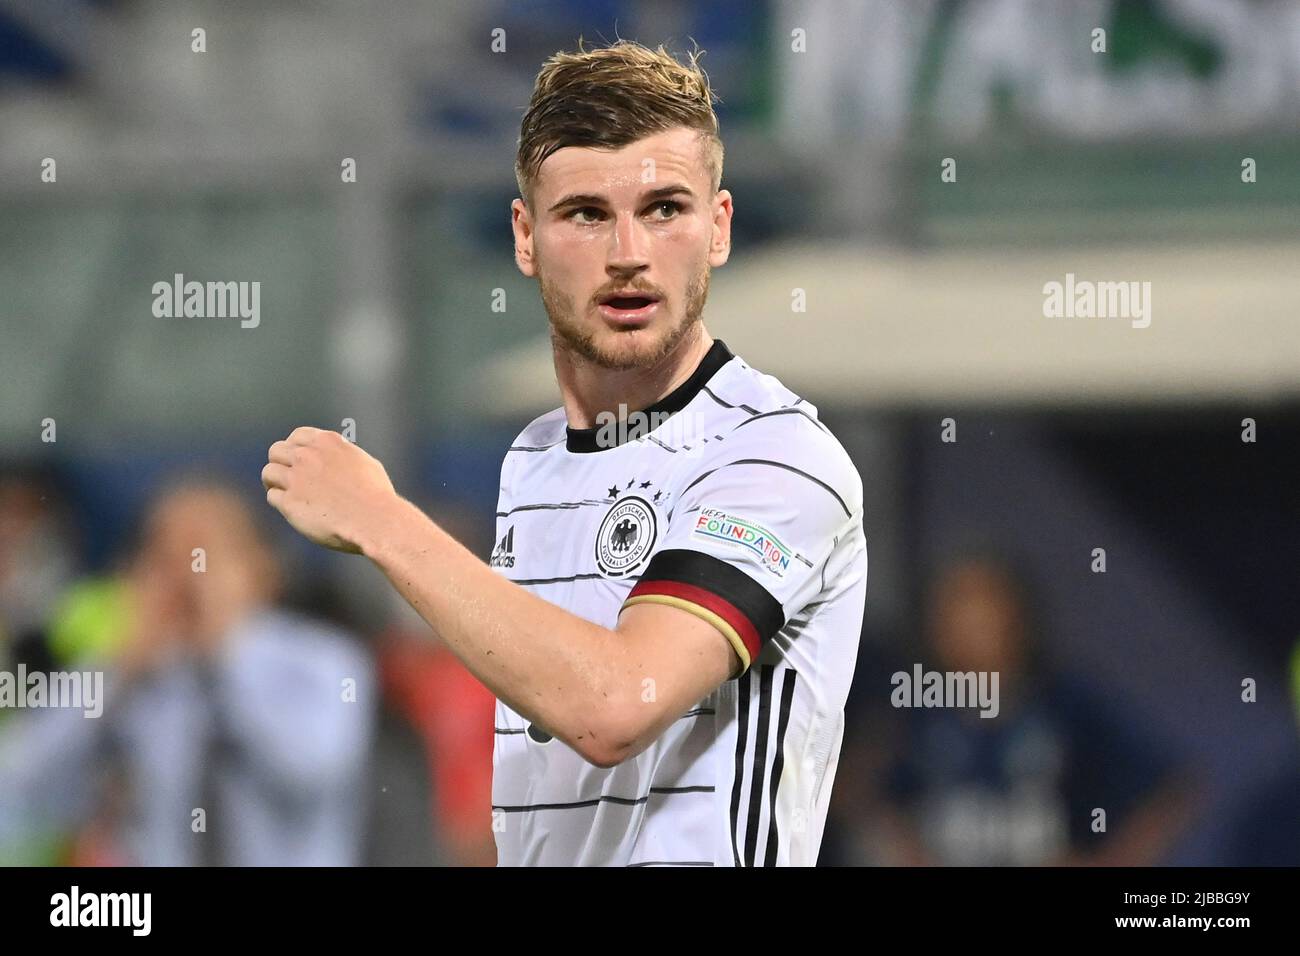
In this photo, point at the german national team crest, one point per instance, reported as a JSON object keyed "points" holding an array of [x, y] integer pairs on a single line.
{"points": [[626, 536]]}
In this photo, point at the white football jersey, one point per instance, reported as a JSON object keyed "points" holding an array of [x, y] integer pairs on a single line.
{"points": [[730, 500]]}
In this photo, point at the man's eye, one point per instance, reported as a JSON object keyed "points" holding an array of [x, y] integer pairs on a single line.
{"points": [[578, 214], [672, 207]]}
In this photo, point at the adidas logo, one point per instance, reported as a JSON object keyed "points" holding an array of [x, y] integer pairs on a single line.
{"points": [[503, 556]]}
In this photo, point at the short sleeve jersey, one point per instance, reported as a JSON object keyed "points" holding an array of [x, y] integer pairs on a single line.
{"points": [[729, 500]]}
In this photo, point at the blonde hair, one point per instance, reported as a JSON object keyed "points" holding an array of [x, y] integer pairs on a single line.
{"points": [[611, 96]]}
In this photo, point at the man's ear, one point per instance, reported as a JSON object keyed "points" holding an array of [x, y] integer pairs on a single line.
{"points": [[521, 223], [720, 243]]}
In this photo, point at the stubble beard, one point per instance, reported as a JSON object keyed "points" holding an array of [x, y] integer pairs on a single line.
{"points": [[619, 351]]}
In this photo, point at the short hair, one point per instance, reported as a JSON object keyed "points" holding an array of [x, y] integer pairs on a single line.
{"points": [[612, 96]]}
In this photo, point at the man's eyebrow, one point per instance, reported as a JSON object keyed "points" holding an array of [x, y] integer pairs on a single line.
{"points": [[669, 190], [578, 199], [590, 199]]}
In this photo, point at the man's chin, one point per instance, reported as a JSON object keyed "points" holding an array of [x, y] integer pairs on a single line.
{"points": [[620, 350]]}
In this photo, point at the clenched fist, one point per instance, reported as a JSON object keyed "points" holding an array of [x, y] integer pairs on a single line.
{"points": [[330, 490]]}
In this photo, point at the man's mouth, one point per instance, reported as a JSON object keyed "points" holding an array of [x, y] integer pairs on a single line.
{"points": [[628, 307]]}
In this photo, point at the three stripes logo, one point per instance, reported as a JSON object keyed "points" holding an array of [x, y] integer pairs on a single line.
{"points": [[756, 832], [503, 556]]}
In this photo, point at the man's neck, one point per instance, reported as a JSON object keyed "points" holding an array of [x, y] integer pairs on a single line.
{"points": [[589, 389]]}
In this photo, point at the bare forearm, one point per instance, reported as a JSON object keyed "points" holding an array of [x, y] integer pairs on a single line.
{"points": [[581, 682], [544, 662]]}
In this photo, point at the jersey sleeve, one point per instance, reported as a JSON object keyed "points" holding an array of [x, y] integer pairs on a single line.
{"points": [[750, 534]]}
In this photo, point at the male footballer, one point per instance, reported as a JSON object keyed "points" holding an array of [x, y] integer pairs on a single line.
{"points": [[670, 617]]}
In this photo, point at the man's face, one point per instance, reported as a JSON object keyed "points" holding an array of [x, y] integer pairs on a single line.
{"points": [[641, 220], [977, 621], [185, 519]]}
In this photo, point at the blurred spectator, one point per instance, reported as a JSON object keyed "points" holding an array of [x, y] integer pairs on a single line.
{"points": [[454, 714], [400, 830], [450, 709], [216, 700], [1019, 788], [37, 560]]}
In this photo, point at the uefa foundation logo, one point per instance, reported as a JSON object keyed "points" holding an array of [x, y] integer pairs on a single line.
{"points": [[626, 536]]}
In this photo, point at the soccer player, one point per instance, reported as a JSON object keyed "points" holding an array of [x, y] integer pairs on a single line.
{"points": [[670, 618]]}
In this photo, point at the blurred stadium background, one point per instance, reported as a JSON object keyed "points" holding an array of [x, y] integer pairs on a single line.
{"points": [[924, 302]]}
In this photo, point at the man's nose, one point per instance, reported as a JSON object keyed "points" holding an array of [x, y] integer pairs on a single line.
{"points": [[628, 250]]}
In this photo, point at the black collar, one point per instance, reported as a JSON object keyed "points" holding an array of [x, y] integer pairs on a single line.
{"points": [[583, 440]]}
